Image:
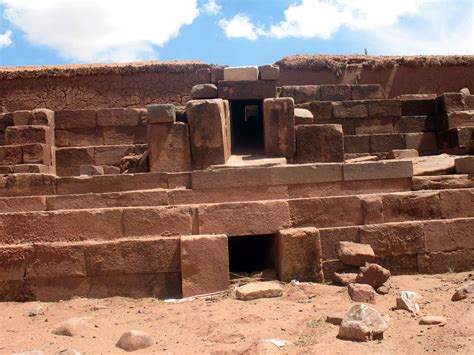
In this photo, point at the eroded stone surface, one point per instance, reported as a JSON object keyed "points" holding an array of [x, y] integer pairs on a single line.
{"points": [[256, 290]]}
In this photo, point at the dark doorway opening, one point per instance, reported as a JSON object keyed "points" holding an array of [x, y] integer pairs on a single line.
{"points": [[252, 254], [247, 127]]}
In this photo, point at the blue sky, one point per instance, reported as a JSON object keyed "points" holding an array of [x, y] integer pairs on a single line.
{"points": [[232, 32]]}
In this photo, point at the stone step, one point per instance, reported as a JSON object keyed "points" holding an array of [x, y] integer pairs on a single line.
{"points": [[233, 218], [458, 181], [69, 160]]}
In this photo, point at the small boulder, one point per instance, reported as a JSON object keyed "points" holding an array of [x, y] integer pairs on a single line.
{"points": [[361, 293], [256, 290], [36, 311], [133, 340], [335, 318], [463, 291], [344, 278], [303, 116], [355, 254], [373, 275], [362, 323], [407, 300], [71, 327], [384, 289], [465, 91], [204, 91], [433, 320]]}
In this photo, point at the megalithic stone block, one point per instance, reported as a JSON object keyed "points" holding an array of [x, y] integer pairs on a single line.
{"points": [[209, 124], [204, 264], [168, 147], [319, 143], [279, 127]]}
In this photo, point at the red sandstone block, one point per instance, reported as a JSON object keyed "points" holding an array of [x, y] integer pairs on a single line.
{"points": [[125, 135], [14, 261], [32, 168], [247, 90], [414, 124], [203, 76], [29, 134], [372, 125], [387, 142], [321, 109], [367, 91], [330, 238], [449, 235], [421, 107], [6, 169], [345, 211], [378, 170], [394, 238], [385, 108], [56, 260], [423, 142], [459, 119], [21, 117], [279, 127], [302, 93], [442, 262], [74, 156], [357, 144], [423, 205], [299, 255], [118, 117], [335, 92], [400, 264], [204, 264], [11, 155], [42, 117], [61, 138], [350, 109], [449, 102], [168, 147], [68, 119], [83, 137], [22, 204], [457, 203], [133, 256], [112, 154], [163, 220], [27, 185], [239, 219], [37, 154], [319, 143]]}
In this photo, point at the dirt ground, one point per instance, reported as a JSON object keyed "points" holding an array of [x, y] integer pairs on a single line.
{"points": [[221, 324]]}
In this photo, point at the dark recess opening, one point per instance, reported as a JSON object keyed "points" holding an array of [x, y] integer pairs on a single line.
{"points": [[251, 254], [247, 127]]}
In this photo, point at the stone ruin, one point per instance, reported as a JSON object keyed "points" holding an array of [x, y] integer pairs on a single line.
{"points": [[246, 172]]}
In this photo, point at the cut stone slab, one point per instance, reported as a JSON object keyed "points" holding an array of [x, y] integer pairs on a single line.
{"points": [[355, 254], [361, 293], [279, 127], [442, 164], [204, 264], [345, 278], [402, 153], [373, 275], [362, 323], [255, 290], [433, 320], [161, 113], [407, 300], [319, 143], [303, 116], [247, 90], [71, 327], [204, 91], [241, 73], [464, 165], [463, 292], [335, 318], [133, 340], [269, 72]]}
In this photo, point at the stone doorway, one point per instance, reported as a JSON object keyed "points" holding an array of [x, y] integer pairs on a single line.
{"points": [[252, 254], [247, 128]]}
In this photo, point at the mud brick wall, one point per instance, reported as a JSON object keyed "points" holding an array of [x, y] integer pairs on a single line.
{"points": [[97, 86]]}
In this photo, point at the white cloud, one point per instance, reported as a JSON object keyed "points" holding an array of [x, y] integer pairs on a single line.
{"points": [[6, 39], [212, 7], [240, 26], [101, 30]]}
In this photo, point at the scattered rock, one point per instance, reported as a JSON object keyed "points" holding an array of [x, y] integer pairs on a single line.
{"points": [[373, 275], [463, 291], [385, 288], [362, 323], [361, 293], [433, 320], [407, 300], [38, 310], [335, 318], [71, 327], [256, 290], [133, 340], [355, 254], [345, 278]]}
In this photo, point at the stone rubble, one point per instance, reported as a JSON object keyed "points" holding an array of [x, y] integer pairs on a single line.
{"points": [[464, 291], [362, 293], [373, 275], [407, 300], [362, 323]]}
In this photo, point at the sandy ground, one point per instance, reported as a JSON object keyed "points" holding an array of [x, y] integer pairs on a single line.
{"points": [[223, 324]]}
